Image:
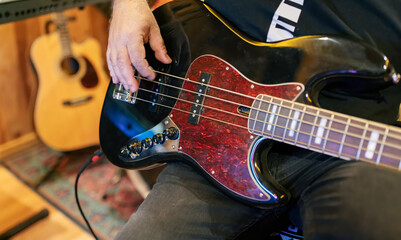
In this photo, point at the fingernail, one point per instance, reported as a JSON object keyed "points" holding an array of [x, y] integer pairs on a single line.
{"points": [[168, 58]]}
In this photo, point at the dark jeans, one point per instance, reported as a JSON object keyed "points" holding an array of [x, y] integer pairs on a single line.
{"points": [[332, 199]]}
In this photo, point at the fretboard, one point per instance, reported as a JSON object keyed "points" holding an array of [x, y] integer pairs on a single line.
{"points": [[325, 131], [65, 41]]}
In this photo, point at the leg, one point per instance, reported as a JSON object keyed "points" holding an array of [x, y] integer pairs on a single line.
{"points": [[353, 201], [183, 205]]}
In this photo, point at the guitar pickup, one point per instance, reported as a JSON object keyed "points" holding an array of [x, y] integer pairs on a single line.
{"points": [[120, 93], [197, 105]]}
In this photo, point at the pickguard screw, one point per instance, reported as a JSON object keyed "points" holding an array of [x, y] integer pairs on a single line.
{"points": [[261, 195], [212, 172]]}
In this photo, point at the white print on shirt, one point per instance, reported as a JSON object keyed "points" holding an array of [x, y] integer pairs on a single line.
{"points": [[280, 30]]}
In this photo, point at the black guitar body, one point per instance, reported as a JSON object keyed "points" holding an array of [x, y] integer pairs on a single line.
{"points": [[191, 30]]}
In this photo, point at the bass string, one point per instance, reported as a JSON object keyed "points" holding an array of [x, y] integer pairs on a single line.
{"points": [[244, 127], [382, 132]]}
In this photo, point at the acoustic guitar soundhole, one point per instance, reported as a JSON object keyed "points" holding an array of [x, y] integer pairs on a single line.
{"points": [[70, 65]]}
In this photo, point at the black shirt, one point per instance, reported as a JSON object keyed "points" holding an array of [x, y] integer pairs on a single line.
{"points": [[374, 21]]}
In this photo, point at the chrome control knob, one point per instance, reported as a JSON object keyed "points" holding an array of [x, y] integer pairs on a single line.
{"points": [[159, 138], [147, 143], [172, 133], [135, 147]]}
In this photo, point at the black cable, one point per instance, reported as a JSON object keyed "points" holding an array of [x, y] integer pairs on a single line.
{"points": [[92, 158]]}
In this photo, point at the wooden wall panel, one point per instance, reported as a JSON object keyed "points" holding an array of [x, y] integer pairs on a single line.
{"points": [[18, 82]]}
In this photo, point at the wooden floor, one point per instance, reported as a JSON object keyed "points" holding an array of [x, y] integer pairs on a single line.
{"points": [[18, 202]]}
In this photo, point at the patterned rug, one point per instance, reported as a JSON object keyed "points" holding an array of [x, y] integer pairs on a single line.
{"points": [[106, 194]]}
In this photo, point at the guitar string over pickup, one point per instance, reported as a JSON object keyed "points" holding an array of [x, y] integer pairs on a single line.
{"points": [[122, 94], [197, 105]]}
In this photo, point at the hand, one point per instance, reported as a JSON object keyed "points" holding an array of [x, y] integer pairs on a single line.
{"points": [[132, 26]]}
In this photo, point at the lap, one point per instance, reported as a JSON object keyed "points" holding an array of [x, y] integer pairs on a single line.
{"points": [[183, 205], [349, 200], [353, 201]]}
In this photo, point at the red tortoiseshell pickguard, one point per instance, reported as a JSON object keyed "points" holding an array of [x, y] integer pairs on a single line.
{"points": [[219, 147]]}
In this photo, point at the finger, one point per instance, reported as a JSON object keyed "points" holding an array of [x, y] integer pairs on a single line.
{"points": [[137, 54], [157, 44], [126, 71], [115, 65], [109, 65]]}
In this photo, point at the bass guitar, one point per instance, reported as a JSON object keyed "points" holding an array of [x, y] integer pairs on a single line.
{"points": [[72, 84], [215, 109]]}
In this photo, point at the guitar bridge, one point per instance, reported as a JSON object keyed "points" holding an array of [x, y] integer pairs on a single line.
{"points": [[120, 93]]}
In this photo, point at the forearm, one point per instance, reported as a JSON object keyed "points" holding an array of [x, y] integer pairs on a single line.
{"points": [[153, 4]]}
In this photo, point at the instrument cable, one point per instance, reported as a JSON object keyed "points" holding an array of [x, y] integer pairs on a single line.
{"points": [[93, 158]]}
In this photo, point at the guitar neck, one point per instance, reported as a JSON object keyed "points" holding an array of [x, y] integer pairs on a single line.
{"points": [[65, 40], [325, 131]]}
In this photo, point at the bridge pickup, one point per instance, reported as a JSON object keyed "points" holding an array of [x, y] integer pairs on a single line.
{"points": [[197, 105], [120, 93]]}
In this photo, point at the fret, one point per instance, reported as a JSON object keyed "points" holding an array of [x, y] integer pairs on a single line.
{"points": [[305, 126], [382, 146], [271, 115], [256, 115], [362, 140], [340, 150], [391, 155], [285, 113], [320, 131], [292, 124], [353, 138], [324, 131], [313, 128], [302, 113], [327, 132], [370, 148], [289, 119], [278, 116], [281, 120], [336, 135]]}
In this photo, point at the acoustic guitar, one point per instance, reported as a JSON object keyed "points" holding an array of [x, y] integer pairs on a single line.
{"points": [[224, 96], [72, 85]]}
